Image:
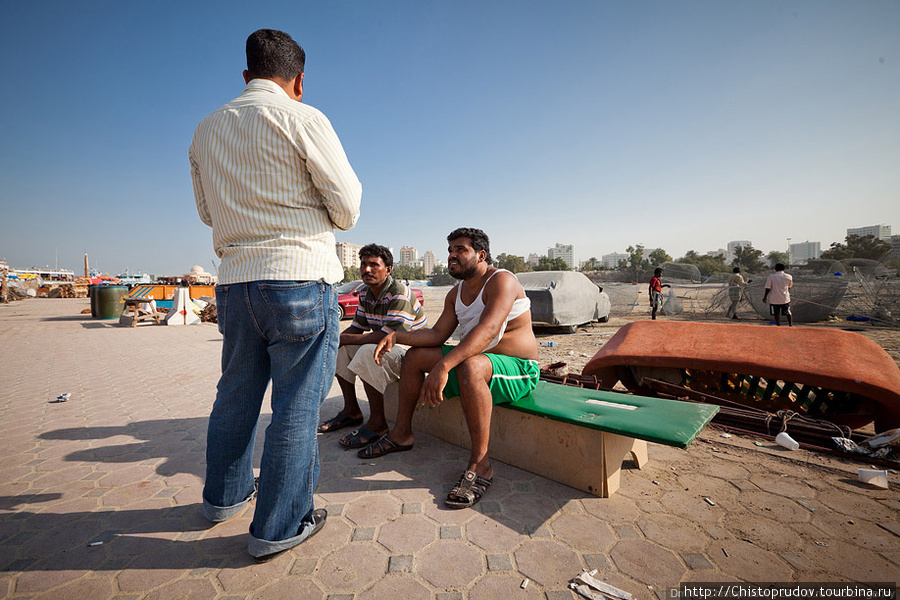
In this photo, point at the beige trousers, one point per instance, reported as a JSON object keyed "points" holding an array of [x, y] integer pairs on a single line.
{"points": [[359, 361]]}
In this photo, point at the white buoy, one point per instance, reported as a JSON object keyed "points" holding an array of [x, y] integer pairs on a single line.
{"points": [[182, 311]]}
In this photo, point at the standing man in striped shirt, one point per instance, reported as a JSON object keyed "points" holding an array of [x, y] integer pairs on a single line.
{"points": [[272, 180]]}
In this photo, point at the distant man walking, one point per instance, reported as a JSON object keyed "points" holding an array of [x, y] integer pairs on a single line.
{"points": [[778, 294], [271, 178], [735, 293]]}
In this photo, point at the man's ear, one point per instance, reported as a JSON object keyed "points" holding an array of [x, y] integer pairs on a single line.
{"points": [[246, 76], [298, 87]]}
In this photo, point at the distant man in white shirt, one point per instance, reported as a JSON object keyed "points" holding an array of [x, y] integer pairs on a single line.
{"points": [[271, 178], [495, 361], [778, 294]]}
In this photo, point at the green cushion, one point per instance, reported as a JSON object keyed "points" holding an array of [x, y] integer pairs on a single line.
{"points": [[669, 422]]}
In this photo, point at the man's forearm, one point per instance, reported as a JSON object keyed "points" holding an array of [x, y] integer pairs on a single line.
{"points": [[358, 339], [422, 338]]}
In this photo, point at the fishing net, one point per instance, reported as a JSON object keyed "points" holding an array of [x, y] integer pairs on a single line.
{"points": [[681, 272], [622, 297]]}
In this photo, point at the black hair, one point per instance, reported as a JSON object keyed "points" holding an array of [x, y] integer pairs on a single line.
{"points": [[657, 272], [779, 267], [379, 252], [274, 54], [736, 270], [476, 237]]}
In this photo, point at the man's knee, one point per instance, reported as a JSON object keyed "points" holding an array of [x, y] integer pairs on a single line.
{"points": [[419, 359], [475, 371]]}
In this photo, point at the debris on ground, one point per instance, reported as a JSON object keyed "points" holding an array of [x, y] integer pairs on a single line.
{"points": [[588, 586], [209, 314]]}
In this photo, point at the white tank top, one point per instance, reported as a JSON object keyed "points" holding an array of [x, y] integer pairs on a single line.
{"points": [[469, 316]]}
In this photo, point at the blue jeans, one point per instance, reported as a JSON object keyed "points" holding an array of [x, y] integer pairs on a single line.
{"points": [[285, 331]]}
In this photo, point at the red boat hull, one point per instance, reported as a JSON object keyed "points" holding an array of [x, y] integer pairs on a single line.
{"points": [[843, 363]]}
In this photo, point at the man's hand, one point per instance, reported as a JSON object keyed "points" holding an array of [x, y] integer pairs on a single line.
{"points": [[433, 387], [384, 346]]}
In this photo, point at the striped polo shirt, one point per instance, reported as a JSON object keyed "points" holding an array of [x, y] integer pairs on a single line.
{"points": [[272, 180], [396, 309]]}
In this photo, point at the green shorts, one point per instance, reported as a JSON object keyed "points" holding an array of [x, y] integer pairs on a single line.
{"points": [[513, 379]]}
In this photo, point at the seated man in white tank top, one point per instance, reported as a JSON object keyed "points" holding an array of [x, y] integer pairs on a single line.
{"points": [[495, 361]]}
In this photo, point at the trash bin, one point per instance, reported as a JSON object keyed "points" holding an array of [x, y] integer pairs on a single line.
{"points": [[92, 294], [106, 301]]}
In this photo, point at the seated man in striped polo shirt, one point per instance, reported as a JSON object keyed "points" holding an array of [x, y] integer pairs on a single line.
{"points": [[386, 306]]}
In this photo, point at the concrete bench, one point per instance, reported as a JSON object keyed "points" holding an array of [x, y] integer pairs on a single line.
{"points": [[572, 435]]}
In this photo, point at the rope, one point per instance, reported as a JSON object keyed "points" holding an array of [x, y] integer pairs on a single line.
{"points": [[786, 416]]}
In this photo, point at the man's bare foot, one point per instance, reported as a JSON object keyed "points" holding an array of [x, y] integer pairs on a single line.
{"points": [[482, 469]]}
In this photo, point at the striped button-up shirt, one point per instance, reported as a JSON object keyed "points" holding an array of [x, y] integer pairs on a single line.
{"points": [[272, 180]]}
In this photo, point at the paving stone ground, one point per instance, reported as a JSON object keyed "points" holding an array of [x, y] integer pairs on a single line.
{"points": [[100, 496]]}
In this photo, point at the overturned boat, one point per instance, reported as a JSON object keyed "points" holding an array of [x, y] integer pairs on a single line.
{"points": [[829, 374]]}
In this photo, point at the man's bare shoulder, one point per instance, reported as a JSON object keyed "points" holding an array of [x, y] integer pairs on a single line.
{"points": [[503, 281]]}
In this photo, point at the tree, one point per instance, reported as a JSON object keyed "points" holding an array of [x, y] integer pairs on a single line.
{"points": [[867, 246], [774, 257], [748, 258], [552, 264], [441, 276], [636, 262], [592, 264], [659, 257], [402, 272], [350, 273], [516, 264], [705, 263], [712, 264]]}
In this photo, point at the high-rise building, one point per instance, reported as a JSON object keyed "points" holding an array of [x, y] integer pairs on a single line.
{"points": [[533, 259], [348, 254], [802, 253], [611, 260], [565, 252], [408, 256], [879, 232], [428, 262]]}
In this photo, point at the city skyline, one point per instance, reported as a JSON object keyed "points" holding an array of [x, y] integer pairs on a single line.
{"points": [[678, 125], [803, 251]]}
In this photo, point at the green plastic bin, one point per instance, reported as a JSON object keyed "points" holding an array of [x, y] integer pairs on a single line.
{"points": [[106, 301]]}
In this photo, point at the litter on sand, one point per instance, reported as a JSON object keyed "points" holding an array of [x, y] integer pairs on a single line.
{"points": [[62, 398], [874, 477], [594, 589]]}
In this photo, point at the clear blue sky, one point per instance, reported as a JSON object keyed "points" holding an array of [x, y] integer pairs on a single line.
{"points": [[673, 124]]}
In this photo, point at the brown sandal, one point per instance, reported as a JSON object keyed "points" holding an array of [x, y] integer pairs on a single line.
{"points": [[384, 445], [339, 421], [468, 491]]}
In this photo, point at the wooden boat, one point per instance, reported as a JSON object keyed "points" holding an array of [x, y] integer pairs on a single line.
{"points": [[818, 372]]}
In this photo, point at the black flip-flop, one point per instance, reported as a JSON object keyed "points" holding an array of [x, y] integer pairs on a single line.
{"points": [[339, 421], [360, 438], [380, 447]]}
